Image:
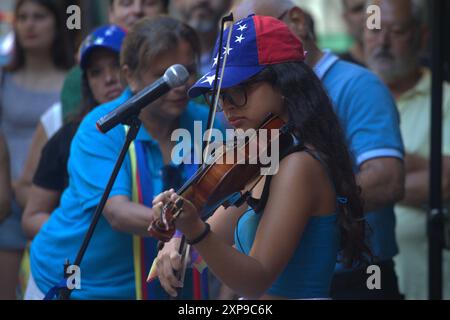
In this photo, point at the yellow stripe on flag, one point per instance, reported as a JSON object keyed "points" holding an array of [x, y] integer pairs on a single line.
{"points": [[136, 239]]}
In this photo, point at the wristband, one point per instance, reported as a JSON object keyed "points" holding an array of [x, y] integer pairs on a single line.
{"points": [[200, 237]]}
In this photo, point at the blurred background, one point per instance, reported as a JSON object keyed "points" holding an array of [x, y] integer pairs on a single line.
{"points": [[329, 25]]}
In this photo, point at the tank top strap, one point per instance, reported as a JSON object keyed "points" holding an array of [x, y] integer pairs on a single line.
{"points": [[258, 205]]}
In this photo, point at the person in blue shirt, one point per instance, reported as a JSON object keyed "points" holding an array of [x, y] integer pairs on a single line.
{"points": [[370, 120], [282, 243], [108, 270]]}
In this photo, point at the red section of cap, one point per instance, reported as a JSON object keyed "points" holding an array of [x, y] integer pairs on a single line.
{"points": [[276, 43]]}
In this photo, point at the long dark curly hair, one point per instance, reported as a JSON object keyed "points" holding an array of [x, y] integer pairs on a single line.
{"points": [[315, 123]]}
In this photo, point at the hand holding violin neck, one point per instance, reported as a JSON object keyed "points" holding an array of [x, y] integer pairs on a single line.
{"points": [[163, 228]]}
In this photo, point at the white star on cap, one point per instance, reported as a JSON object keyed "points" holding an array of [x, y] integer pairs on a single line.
{"points": [[216, 59], [227, 51], [240, 38], [110, 31], [210, 79], [242, 28], [99, 41]]}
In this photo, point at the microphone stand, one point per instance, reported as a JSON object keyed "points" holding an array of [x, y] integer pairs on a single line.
{"points": [[135, 124]]}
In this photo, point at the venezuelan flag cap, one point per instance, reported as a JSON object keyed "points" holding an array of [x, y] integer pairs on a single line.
{"points": [[256, 42]]}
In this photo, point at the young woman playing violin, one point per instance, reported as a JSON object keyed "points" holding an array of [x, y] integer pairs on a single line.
{"points": [[284, 246]]}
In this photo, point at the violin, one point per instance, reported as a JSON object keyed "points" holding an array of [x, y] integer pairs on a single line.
{"points": [[220, 183]]}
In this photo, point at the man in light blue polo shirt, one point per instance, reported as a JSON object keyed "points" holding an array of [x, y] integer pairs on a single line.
{"points": [[370, 122]]}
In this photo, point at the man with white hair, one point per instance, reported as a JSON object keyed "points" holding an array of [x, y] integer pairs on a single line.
{"points": [[394, 53]]}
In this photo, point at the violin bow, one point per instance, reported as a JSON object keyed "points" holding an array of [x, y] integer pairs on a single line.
{"points": [[184, 248], [218, 84]]}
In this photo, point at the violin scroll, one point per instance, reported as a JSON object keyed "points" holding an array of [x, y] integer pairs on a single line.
{"points": [[163, 229]]}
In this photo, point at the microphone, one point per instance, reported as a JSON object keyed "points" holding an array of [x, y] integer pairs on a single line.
{"points": [[175, 76]]}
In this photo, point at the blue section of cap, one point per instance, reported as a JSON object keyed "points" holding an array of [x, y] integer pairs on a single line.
{"points": [[242, 59]]}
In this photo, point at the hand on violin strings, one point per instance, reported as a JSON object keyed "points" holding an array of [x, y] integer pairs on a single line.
{"points": [[187, 218]]}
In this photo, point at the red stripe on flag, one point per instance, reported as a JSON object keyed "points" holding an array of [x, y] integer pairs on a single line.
{"points": [[197, 288], [139, 188]]}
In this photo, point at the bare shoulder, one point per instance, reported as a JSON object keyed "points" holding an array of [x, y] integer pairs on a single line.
{"points": [[305, 181], [299, 165]]}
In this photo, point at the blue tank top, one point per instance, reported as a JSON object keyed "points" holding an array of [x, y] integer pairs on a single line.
{"points": [[309, 273]]}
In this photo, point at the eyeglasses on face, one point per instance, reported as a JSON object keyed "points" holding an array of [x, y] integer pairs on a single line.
{"points": [[236, 96]]}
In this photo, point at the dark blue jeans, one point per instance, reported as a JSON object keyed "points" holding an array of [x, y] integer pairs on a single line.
{"points": [[352, 285]]}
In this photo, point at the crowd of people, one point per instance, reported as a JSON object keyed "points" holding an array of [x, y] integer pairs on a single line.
{"points": [[351, 189]]}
